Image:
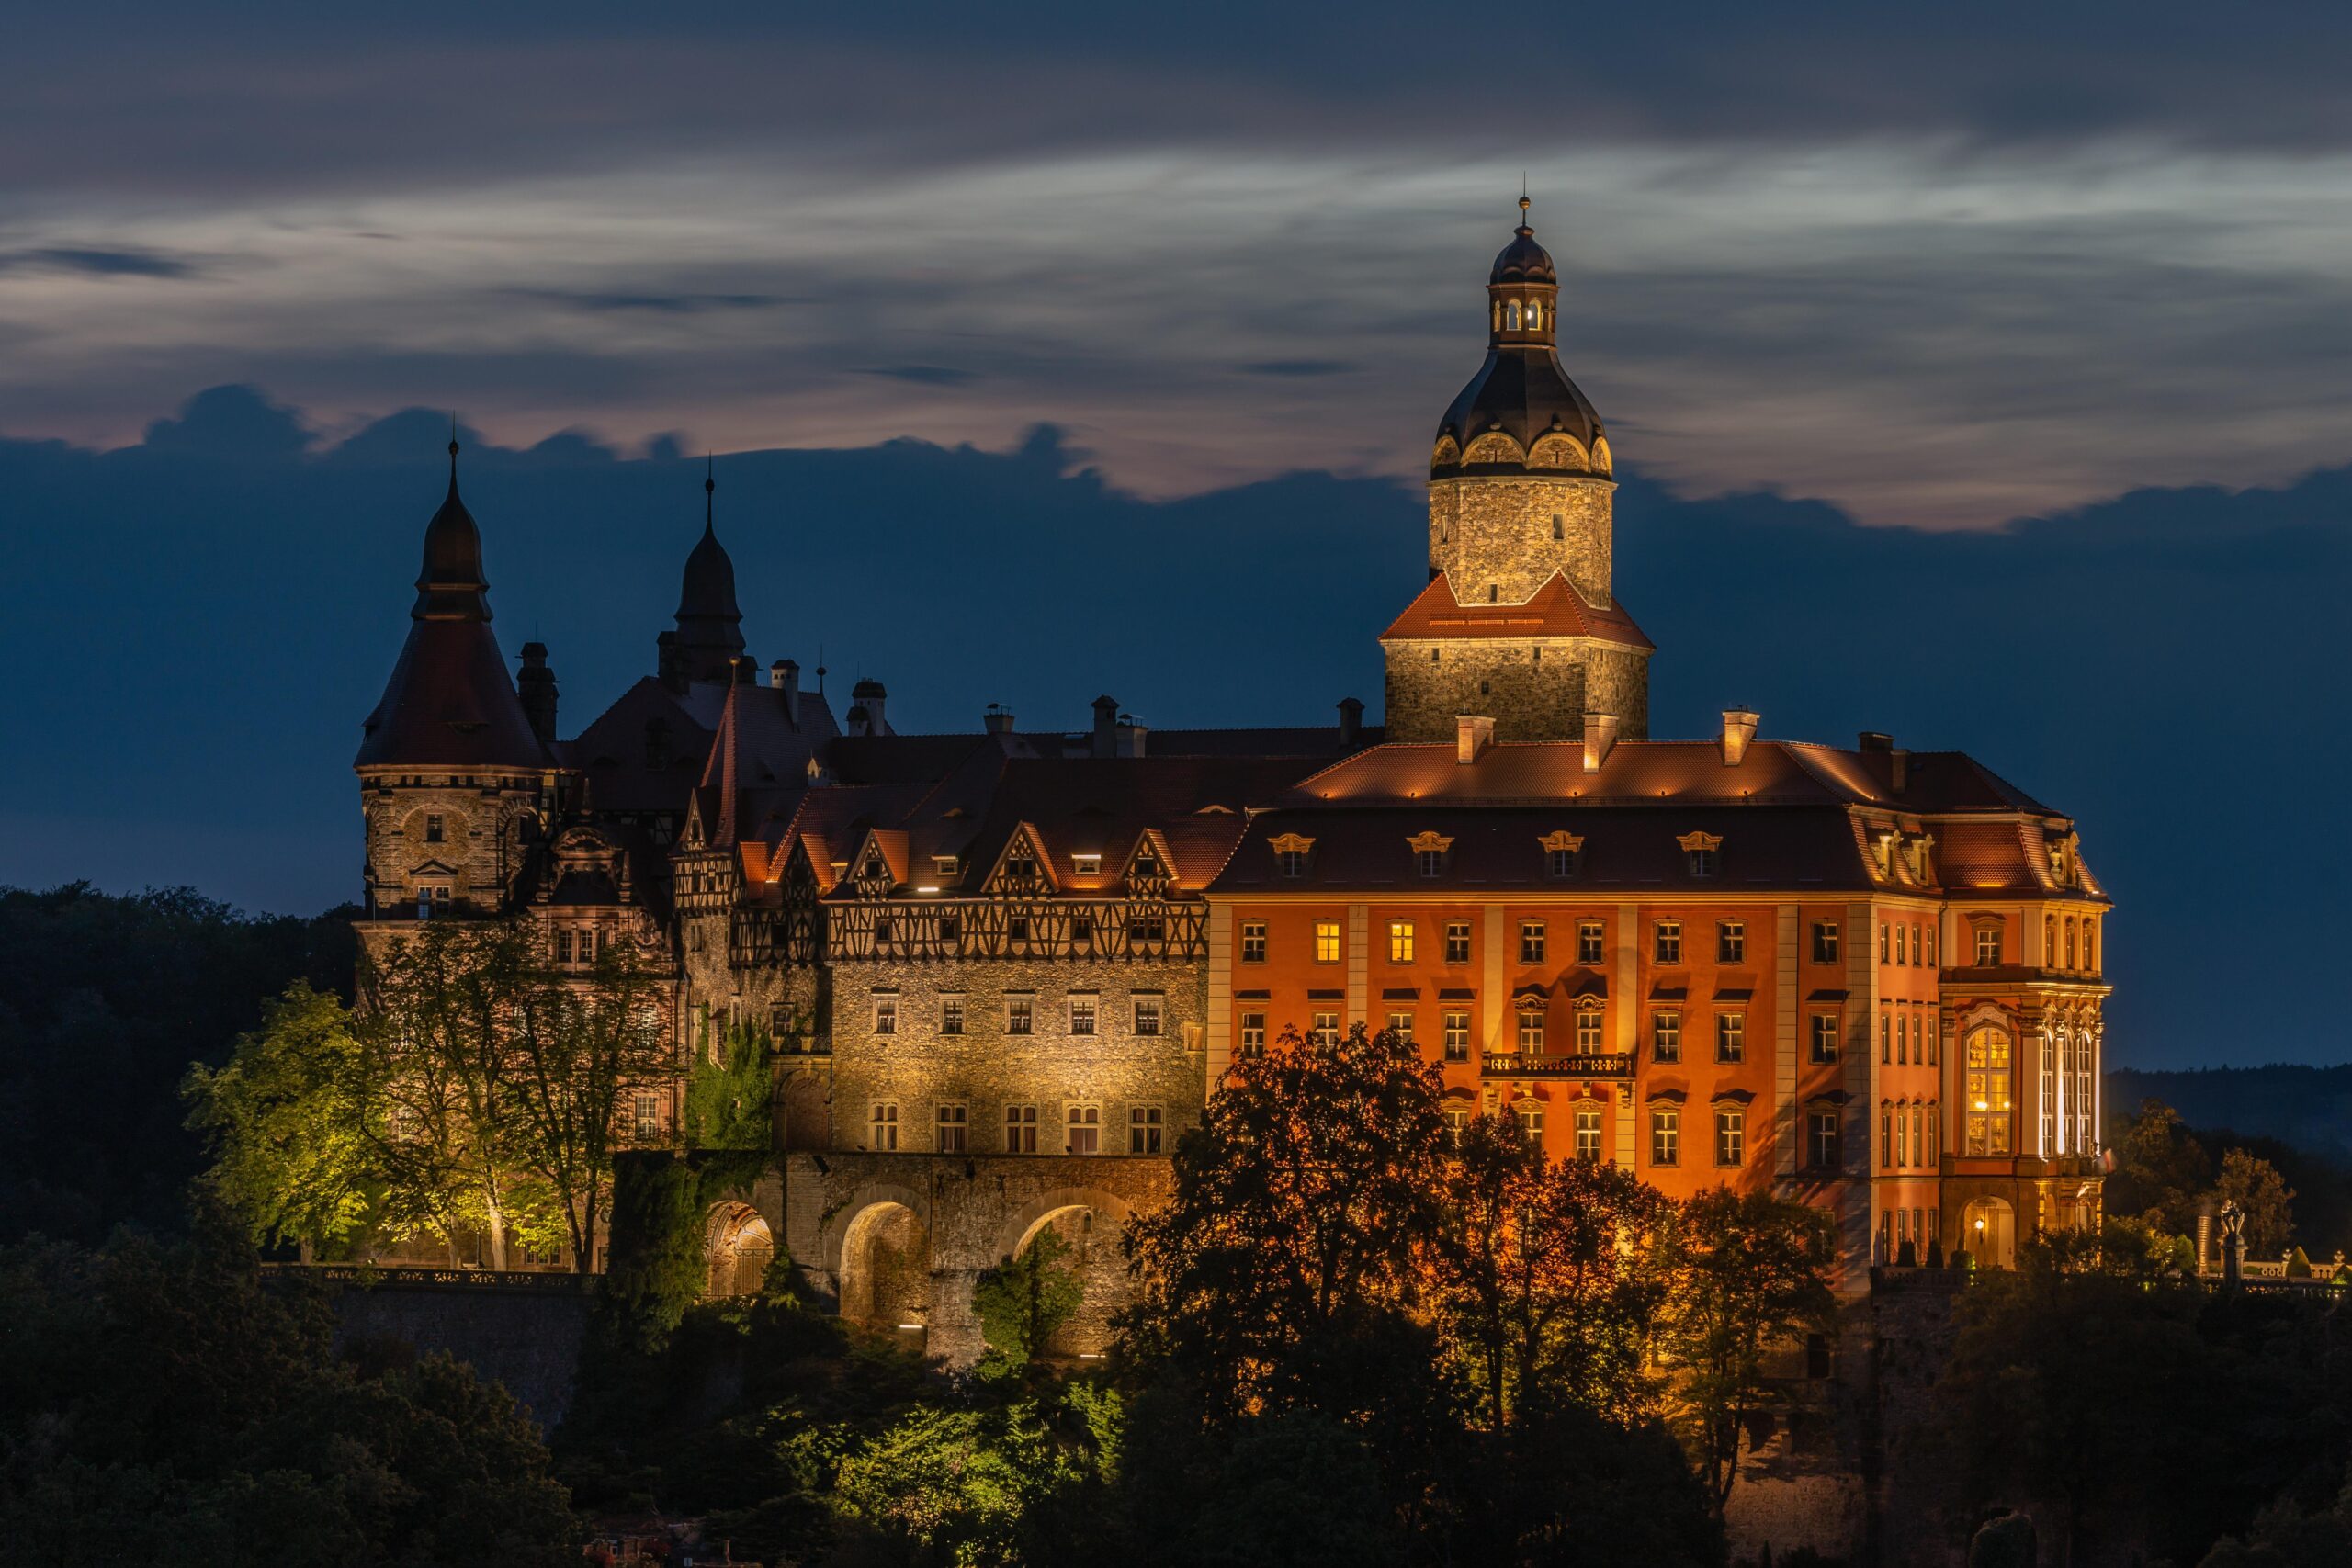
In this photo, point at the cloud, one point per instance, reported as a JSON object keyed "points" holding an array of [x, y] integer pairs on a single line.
{"points": [[93, 261], [923, 375], [664, 304], [1298, 368], [2129, 661]]}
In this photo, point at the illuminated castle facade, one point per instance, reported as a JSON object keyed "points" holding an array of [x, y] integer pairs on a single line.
{"points": [[1003, 969]]}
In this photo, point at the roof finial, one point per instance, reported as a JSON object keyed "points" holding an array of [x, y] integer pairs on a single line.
{"points": [[709, 484], [1523, 203], [453, 445]]}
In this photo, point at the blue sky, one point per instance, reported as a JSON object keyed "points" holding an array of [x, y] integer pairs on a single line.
{"points": [[2016, 343]]}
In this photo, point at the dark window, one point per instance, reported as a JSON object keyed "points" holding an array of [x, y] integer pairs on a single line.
{"points": [[1825, 1144], [1253, 941], [1457, 941], [1531, 941], [432, 828], [1588, 942], [1825, 942], [1699, 862], [1668, 934], [1560, 864], [1731, 941], [1432, 861]]}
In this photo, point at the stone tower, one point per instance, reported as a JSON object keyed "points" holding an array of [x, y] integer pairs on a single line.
{"points": [[452, 770], [1518, 623]]}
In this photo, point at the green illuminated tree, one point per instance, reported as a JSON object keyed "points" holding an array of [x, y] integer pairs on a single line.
{"points": [[287, 1119], [1023, 1301], [730, 1094]]}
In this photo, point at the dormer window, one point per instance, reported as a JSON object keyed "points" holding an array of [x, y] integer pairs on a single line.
{"points": [[873, 871], [1087, 865], [1429, 851], [944, 865], [1290, 854], [1560, 851], [1699, 852]]}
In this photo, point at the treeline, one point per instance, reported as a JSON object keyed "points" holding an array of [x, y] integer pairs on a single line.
{"points": [[2298, 1206], [105, 1000]]}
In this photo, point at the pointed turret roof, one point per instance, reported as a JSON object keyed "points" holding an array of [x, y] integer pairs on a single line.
{"points": [[711, 627], [450, 703]]}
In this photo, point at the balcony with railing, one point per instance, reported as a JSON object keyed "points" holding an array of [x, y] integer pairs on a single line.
{"points": [[1526, 1065]]}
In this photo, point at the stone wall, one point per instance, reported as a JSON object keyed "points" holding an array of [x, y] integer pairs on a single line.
{"points": [[527, 1340], [986, 1068], [1533, 688], [1500, 532], [483, 824], [902, 1239]]}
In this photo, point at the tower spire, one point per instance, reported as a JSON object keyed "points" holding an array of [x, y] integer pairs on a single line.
{"points": [[710, 628]]}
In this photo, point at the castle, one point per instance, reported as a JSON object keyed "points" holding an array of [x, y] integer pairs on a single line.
{"points": [[1004, 969]]}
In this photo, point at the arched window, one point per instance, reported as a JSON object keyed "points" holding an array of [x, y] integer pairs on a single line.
{"points": [[1510, 317], [1990, 1091], [1534, 316]]}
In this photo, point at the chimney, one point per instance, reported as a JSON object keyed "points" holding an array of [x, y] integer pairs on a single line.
{"points": [[1898, 769], [1106, 721], [1131, 736], [869, 694], [1740, 729], [1350, 723], [536, 685], [998, 719], [1471, 736], [1873, 740], [784, 676], [1600, 738]]}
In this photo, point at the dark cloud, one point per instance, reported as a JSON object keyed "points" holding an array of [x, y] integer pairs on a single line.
{"points": [[93, 261], [2165, 665], [923, 375], [663, 304]]}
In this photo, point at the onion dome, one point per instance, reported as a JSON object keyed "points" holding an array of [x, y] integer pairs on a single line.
{"points": [[1520, 413], [450, 703], [710, 625]]}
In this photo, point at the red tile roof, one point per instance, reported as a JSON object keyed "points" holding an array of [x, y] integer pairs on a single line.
{"points": [[1556, 610]]}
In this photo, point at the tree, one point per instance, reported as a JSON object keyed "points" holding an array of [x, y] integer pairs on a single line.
{"points": [[1304, 1207], [287, 1120], [2255, 1185], [1551, 1276], [2162, 1173], [579, 1051], [730, 1094], [1023, 1301], [1751, 1272]]}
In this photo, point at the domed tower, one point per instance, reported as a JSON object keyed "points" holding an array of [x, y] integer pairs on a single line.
{"points": [[1518, 623], [709, 638], [451, 770]]}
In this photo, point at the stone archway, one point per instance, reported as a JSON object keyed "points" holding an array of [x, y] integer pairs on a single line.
{"points": [[737, 1248], [1988, 1228], [1090, 1223], [884, 1269]]}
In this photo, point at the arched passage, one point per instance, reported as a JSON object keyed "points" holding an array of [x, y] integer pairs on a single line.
{"points": [[1089, 1223], [738, 1247], [1988, 1228], [884, 1269]]}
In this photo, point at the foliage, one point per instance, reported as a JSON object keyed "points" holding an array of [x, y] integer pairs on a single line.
{"points": [[157, 1404], [1751, 1272], [730, 1096], [288, 1118], [1551, 1279], [1305, 1205], [2286, 1535], [2166, 1177], [104, 1002], [657, 1269], [1023, 1301], [2255, 1186]]}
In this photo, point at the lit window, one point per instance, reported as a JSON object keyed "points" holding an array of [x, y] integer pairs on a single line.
{"points": [[1989, 1092], [1457, 941], [1081, 1015], [1731, 1036], [1253, 1034], [1666, 1135], [1824, 1037], [1883, 929], [1825, 942], [1143, 1130], [1932, 947], [1731, 1136], [1327, 941], [882, 1128], [1885, 1039], [1531, 1032], [1400, 942], [1825, 1143], [1021, 1015], [1327, 1029], [1589, 948], [1669, 941], [886, 1015], [1731, 941], [1253, 941], [1531, 941], [1085, 1128], [1020, 1129], [1146, 1015], [1401, 1024], [1511, 316], [951, 1015], [1666, 1037], [1587, 1130], [1457, 1036], [948, 1130]]}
